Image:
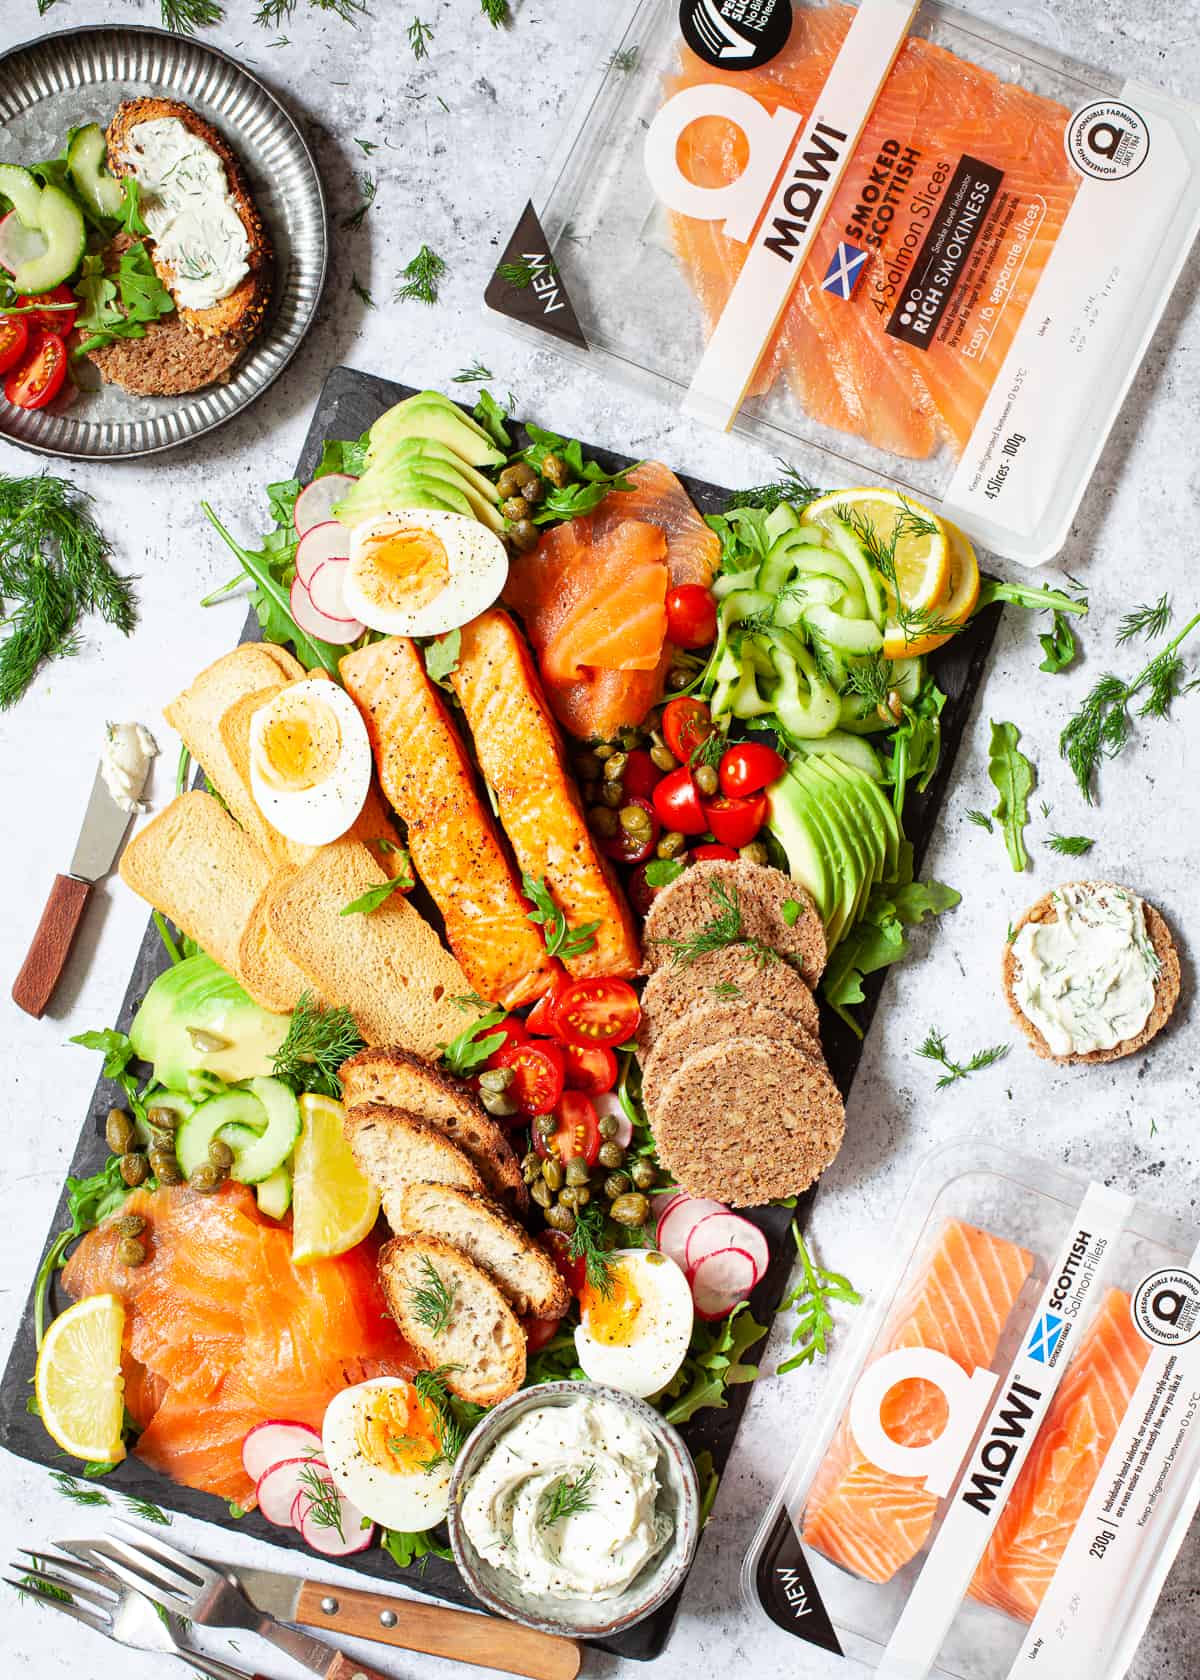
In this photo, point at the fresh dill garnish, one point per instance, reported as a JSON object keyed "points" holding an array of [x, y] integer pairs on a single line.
{"points": [[524, 273], [709, 749], [273, 12], [811, 1298], [495, 11], [368, 187], [1070, 845], [871, 679], [318, 1040], [366, 146], [35, 1583], [70, 1489], [724, 929], [421, 277], [934, 1050], [467, 1052], [324, 1500], [561, 939], [567, 1498], [470, 1000], [361, 292], [432, 1302], [726, 990], [453, 1419], [1150, 621], [147, 1511], [791, 486], [280, 41], [54, 569], [586, 1243], [471, 375], [980, 819], [184, 17], [625, 60], [419, 36]]}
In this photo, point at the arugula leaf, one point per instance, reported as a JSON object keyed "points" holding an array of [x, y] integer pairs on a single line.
{"points": [[713, 1363], [572, 500], [879, 939], [143, 295], [441, 657], [270, 599], [709, 1479], [118, 1053], [811, 1298], [1013, 777], [131, 218], [340, 456], [493, 419], [407, 1549], [468, 1051], [660, 872], [97, 291], [558, 1361], [375, 896], [1059, 644], [562, 940], [89, 1200]]}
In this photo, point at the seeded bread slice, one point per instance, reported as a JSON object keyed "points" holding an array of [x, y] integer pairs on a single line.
{"points": [[716, 1023], [697, 897], [394, 1149], [399, 1079], [527, 1277], [729, 976], [481, 1347], [1166, 988], [748, 1121]]}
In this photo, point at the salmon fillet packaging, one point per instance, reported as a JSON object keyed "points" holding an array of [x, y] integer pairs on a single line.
{"points": [[931, 249], [1008, 1458]]}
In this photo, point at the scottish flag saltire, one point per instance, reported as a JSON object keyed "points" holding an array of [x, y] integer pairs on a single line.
{"points": [[1045, 1337], [843, 273]]}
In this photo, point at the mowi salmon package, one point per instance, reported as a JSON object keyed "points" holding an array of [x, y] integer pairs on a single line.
{"points": [[1010, 1458], [928, 247]]}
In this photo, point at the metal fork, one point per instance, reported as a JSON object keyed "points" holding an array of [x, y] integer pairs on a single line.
{"points": [[100, 1602]]}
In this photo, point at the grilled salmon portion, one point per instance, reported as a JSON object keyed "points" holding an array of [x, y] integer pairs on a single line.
{"points": [[453, 842], [520, 753]]}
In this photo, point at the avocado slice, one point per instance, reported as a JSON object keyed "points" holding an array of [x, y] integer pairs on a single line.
{"points": [[429, 449], [889, 825], [793, 822], [439, 399], [417, 469], [852, 863], [861, 822], [197, 996], [367, 501], [438, 420], [850, 748]]}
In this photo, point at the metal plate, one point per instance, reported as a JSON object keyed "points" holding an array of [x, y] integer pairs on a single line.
{"points": [[82, 75]]}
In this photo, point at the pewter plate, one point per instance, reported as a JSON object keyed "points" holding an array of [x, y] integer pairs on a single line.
{"points": [[81, 75]]}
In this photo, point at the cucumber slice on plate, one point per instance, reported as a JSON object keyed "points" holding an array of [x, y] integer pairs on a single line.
{"points": [[275, 1193], [60, 221], [232, 1108], [257, 1162], [259, 1122], [87, 162], [22, 191]]}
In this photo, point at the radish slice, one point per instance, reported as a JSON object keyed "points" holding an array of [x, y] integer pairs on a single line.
{"points": [[277, 1488], [325, 590], [327, 541], [315, 623], [727, 1230], [675, 1226], [608, 1104], [274, 1443], [356, 1535], [721, 1281], [316, 502], [662, 1203]]}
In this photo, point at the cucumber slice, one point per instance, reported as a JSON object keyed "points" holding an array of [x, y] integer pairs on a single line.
{"points": [[61, 222], [88, 166], [780, 519], [907, 677], [848, 635], [872, 585], [849, 749], [259, 1160], [22, 192], [275, 1193], [180, 1104], [232, 1108]]}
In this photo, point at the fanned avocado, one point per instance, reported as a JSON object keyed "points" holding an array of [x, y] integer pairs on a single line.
{"points": [[792, 820], [430, 415], [196, 1018], [371, 498], [392, 479], [426, 449]]}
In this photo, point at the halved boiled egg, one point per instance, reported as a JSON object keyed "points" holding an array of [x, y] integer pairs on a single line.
{"points": [[634, 1336], [422, 571], [383, 1452], [310, 761]]}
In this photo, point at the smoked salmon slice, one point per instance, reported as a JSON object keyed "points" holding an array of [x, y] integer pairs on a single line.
{"points": [[521, 755], [1049, 1495], [454, 844], [862, 1517]]}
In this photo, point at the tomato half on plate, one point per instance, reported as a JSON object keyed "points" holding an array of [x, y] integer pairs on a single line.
{"points": [[39, 377], [577, 1135], [748, 767], [539, 1332], [691, 616], [537, 1071], [713, 852], [58, 321], [514, 1031], [735, 822], [14, 338], [686, 723], [597, 1011], [590, 1067], [677, 803], [572, 1269]]}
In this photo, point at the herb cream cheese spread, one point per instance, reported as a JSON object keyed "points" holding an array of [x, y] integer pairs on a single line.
{"points": [[566, 1500], [187, 206], [1086, 979], [125, 762]]}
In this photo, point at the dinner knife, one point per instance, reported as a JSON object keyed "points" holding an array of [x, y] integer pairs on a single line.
{"points": [[104, 825], [462, 1635]]}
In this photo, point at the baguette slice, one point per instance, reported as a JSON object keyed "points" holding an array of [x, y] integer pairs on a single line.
{"points": [[266, 970], [527, 1277], [394, 1149], [399, 1079], [481, 1347], [196, 865]]}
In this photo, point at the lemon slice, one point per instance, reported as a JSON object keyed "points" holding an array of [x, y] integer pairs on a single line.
{"points": [[957, 607], [333, 1205], [913, 539], [78, 1381]]}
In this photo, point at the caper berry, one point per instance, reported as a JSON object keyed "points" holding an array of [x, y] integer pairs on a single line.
{"points": [[130, 1252], [533, 490], [220, 1154], [706, 779], [205, 1178], [514, 508], [671, 844], [560, 1218], [568, 1195], [165, 1165], [496, 1079], [612, 793], [523, 473], [531, 1161], [616, 1184], [603, 751], [552, 1172], [130, 1225], [608, 1125], [530, 1175], [644, 1174], [509, 482], [615, 766], [524, 535], [611, 1156], [554, 468], [162, 1119], [603, 821], [630, 1210], [637, 823], [663, 758], [545, 1125], [542, 1193], [134, 1169], [118, 1130], [498, 1103], [754, 852], [583, 1195], [577, 1170], [208, 1043]]}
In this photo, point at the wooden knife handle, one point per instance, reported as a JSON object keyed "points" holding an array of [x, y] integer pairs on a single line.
{"points": [[462, 1635], [346, 1668], [47, 957]]}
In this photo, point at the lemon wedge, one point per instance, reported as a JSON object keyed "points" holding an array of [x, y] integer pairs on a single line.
{"points": [[916, 543], [78, 1381], [333, 1205], [955, 610]]}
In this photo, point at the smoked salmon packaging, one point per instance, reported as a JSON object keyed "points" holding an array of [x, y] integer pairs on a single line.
{"points": [[1009, 1459], [893, 232]]}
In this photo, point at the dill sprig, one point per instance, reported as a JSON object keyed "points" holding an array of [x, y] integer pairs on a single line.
{"points": [[432, 1302], [871, 679], [273, 12], [37, 1584], [186, 16], [361, 292], [567, 1498], [726, 990], [725, 928], [495, 11], [70, 1489], [523, 273], [586, 1243], [561, 939], [934, 1050], [1149, 621], [811, 1298], [325, 1502], [146, 1510], [980, 819], [419, 36], [368, 187], [471, 375], [791, 486], [421, 277], [453, 1419], [318, 1040], [1070, 845], [624, 60]]}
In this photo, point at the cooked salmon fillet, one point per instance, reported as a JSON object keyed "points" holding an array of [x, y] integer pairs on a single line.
{"points": [[860, 1516], [848, 373], [1050, 1493], [222, 1331], [521, 755], [454, 844]]}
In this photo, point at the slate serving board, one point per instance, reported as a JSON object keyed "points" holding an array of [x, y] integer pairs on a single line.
{"points": [[349, 402]]}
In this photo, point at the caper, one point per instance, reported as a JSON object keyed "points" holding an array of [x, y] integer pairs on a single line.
{"points": [[663, 758], [568, 1195], [587, 766], [612, 793], [577, 1170], [609, 1125], [583, 1195], [514, 508], [603, 751], [498, 1103], [554, 468], [552, 1172], [118, 1130], [638, 824], [616, 1184], [541, 1193], [644, 1174], [614, 767], [630, 738], [130, 1252], [208, 1043], [509, 482], [523, 473], [633, 1209], [496, 1079], [163, 1119], [545, 1125], [220, 1154], [706, 779], [130, 1225], [134, 1169], [678, 677], [165, 1165], [560, 1218], [533, 490], [611, 1155], [602, 820], [523, 535], [671, 844], [205, 1178], [530, 1175], [754, 852], [531, 1161]]}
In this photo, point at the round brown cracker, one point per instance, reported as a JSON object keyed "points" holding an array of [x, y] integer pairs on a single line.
{"points": [[715, 1023], [731, 976], [691, 901]]}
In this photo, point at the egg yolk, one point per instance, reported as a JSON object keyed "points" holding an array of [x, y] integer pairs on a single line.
{"points": [[395, 1431], [300, 743], [406, 567], [612, 1318]]}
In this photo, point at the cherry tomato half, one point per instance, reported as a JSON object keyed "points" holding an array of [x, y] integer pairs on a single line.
{"points": [[577, 1136], [735, 822], [56, 321], [677, 803], [641, 775], [591, 1068], [691, 616], [514, 1031], [630, 848], [14, 338], [639, 891], [572, 1270], [38, 379], [748, 767], [714, 853], [539, 1331], [538, 1074], [686, 722], [598, 1011]]}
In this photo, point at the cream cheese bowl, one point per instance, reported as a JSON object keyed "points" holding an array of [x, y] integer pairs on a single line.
{"points": [[678, 1499]]}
